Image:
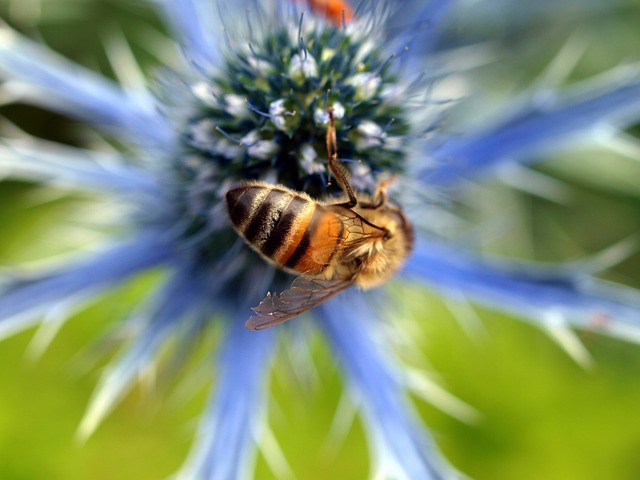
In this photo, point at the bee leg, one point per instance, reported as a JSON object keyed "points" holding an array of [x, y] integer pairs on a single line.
{"points": [[337, 169], [341, 174]]}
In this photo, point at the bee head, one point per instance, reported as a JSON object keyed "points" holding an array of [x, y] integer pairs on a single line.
{"points": [[387, 256]]}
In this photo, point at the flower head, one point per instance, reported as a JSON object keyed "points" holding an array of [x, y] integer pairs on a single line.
{"points": [[253, 99]]}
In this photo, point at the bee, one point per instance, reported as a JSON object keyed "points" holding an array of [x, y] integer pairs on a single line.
{"points": [[359, 240]]}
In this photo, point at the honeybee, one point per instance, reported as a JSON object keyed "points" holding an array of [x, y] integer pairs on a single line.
{"points": [[357, 240]]}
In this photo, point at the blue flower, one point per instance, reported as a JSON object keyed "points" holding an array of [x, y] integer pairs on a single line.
{"points": [[249, 101]]}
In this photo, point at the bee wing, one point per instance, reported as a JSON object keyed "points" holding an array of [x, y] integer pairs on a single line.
{"points": [[357, 238], [303, 295]]}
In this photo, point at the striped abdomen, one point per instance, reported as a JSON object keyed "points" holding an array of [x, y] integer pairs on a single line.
{"points": [[287, 228]]}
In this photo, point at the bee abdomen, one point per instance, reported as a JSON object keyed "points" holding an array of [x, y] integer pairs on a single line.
{"points": [[283, 226], [269, 218]]}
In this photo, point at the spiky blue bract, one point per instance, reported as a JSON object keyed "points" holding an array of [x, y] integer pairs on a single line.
{"points": [[231, 423], [400, 448], [181, 300], [42, 77], [417, 24], [74, 168], [192, 22], [23, 301], [569, 294], [249, 103], [534, 126]]}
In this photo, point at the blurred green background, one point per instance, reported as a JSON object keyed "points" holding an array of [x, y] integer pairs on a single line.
{"points": [[542, 416]]}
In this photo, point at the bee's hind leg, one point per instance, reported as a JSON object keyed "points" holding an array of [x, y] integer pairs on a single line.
{"points": [[336, 168]]}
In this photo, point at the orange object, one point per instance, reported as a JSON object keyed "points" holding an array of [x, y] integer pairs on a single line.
{"points": [[332, 9]]}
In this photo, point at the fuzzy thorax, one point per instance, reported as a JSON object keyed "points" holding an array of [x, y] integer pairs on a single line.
{"points": [[381, 258]]}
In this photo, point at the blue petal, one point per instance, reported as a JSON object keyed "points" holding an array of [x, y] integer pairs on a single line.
{"points": [[181, 294], [21, 302], [72, 167], [534, 127], [192, 21], [231, 424], [417, 23], [402, 447], [57, 83], [570, 294], [494, 15]]}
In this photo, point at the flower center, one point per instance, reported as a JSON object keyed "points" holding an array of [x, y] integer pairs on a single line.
{"points": [[263, 115]]}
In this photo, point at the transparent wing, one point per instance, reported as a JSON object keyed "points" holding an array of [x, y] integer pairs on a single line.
{"points": [[303, 295], [358, 237]]}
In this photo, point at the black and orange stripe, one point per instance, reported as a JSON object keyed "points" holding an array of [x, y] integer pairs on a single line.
{"points": [[289, 229]]}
